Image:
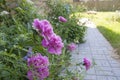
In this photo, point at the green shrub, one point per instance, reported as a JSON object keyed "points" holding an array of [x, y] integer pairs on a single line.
{"points": [[16, 29], [58, 8], [76, 32], [69, 31], [79, 7], [12, 67], [23, 12], [16, 36]]}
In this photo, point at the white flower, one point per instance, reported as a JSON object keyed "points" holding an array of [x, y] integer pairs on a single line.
{"points": [[4, 13], [29, 1]]}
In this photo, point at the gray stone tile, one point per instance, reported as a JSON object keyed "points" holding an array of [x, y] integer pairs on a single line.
{"points": [[110, 47], [105, 73], [111, 59], [101, 78], [99, 57], [97, 52], [87, 56], [112, 78], [118, 78], [102, 63], [115, 65], [99, 48], [107, 52], [91, 71], [116, 71], [84, 53], [85, 48], [89, 51], [90, 77], [103, 68]]}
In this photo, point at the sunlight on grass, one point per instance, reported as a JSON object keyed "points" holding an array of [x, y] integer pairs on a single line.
{"points": [[107, 24]]}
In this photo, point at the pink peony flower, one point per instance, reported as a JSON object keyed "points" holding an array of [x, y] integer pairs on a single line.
{"points": [[30, 75], [45, 42], [62, 19], [87, 63], [38, 65], [43, 27], [51, 41], [38, 61], [36, 24], [48, 32], [71, 47], [43, 72], [47, 29], [55, 45]]}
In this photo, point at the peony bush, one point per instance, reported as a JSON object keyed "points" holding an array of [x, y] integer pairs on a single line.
{"points": [[59, 14], [32, 48]]}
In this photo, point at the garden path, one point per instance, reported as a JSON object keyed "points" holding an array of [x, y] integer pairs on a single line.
{"points": [[98, 48]]}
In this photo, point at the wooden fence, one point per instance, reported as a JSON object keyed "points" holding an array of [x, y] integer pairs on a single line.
{"points": [[101, 5]]}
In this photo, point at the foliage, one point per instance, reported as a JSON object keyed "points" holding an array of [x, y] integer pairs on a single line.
{"points": [[76, 32], [71, 30], [58, 8], [24, 12], [79, 7], [12, 67], [17, 35]]}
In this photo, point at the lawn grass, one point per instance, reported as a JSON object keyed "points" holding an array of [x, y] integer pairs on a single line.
{"points": [[107, 25]]}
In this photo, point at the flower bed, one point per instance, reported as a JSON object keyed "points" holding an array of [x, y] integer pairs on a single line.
{"points": [[35, 49]]}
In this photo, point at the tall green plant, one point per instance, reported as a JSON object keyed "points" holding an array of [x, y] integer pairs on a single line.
{"points": [[69, 31], [58, 8], [16, 36]]}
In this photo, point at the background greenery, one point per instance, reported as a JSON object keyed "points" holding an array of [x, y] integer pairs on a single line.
{"points": [[69, 31]]}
